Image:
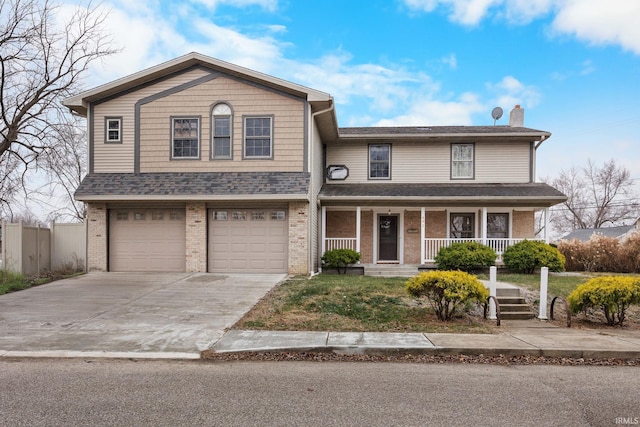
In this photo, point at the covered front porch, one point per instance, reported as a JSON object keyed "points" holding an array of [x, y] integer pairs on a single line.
{"points": [[414, 235]]}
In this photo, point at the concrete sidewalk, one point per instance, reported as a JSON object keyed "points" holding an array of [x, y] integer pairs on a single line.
{"points": [[517, 338]]}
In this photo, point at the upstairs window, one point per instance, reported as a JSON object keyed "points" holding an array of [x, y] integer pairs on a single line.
{"points": [[113, 130], [258, 137], [221, 146], [380, 161], [185, 141], [462, 156]]}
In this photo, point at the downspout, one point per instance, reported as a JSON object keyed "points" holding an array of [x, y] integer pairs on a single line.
{"points": [[535, 163], [542, 139], [311, 182]]}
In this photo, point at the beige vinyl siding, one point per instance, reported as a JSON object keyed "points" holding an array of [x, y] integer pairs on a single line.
{"points": [[245, 100], [354, 156], [503, 162], [431, 162], [120, 157]]}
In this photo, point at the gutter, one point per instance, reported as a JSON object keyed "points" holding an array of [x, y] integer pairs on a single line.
{"points": [[543, 138], [311, 181]]}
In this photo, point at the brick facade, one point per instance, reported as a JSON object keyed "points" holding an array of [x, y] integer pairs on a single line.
{"points": [[436, 224], [299, 238], [97, 236], [196, 237], [412, 237], [341, 224], [366, 237]]}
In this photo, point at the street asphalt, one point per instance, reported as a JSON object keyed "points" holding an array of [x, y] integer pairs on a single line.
{"points": [[182, 315]]}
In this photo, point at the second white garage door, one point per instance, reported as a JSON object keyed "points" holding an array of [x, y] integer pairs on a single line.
{"points": [[248, 240]]}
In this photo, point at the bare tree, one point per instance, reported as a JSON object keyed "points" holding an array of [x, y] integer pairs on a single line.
{"points": [[65, 167], [40, 64], [596, 197]]}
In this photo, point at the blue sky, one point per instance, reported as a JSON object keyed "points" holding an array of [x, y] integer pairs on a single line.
{"points": [[573, 65]]}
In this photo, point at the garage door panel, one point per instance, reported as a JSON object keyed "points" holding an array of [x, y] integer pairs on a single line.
{"points": [[147, 240], [249, 240]]}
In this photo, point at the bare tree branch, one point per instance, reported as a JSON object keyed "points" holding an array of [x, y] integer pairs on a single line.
{"points": [[596, 197], [40, 64]]}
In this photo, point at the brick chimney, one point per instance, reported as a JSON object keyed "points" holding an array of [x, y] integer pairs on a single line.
{"points": [[516, 117]]}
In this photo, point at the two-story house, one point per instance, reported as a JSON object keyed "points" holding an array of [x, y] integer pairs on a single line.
{"points": [[201, 165]]}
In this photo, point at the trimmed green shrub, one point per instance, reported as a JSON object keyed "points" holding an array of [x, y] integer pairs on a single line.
{"points": [[340, 259], [465, 256], [447, 290], [527, 255], [613, 294]]}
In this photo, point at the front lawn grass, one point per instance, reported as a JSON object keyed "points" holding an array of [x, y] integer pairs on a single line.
{"points": [[558, 285], [345, 303]]}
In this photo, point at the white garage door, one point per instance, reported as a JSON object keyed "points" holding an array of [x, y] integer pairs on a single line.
{"points": [[147, 240], [248, 240]]}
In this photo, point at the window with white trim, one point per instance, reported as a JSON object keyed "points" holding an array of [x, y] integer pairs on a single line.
{"points": [[221, 140], [380, 161], [113, 130], [185, 141], [462, 156], [462, 226], [258, 137], [498, 225]]}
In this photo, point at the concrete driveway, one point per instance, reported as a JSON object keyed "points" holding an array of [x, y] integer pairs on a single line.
{"points": [[145, 314]]}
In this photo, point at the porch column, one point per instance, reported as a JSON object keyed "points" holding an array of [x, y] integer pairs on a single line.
{"points": [[546, 225], [323, 230], [484, 226], [423, 234], [358, 229]]}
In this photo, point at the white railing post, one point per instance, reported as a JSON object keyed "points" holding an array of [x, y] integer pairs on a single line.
{"points": [[493, 285], [358, 230], [484, 226], [323, 232], [544, 281], [422, 236]]}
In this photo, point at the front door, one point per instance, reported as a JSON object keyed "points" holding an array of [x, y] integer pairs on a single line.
{"points": [[388, 238]]}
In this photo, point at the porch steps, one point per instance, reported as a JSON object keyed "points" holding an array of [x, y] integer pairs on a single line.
{"points": [[390, 270], [512, 305]]}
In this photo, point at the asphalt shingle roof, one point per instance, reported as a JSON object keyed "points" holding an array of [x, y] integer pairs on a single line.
{"points": [[175, 184], [516, 192], [585, 234], [434, 130]]}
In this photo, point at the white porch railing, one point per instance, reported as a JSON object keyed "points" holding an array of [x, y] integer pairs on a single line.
{"points": [[432, 246], [332, 243]]}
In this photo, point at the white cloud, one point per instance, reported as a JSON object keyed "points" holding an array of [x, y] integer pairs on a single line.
{"points": [[270, 5], [466, 12], [510, 92], [425, 112], [258, 53], [386, 87], [451, 61], [614, 22], [598, 22]]}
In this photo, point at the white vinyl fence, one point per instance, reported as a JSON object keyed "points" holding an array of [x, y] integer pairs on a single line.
{"points": [[33, 250]]}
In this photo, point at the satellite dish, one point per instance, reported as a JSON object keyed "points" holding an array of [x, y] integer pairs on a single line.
{"points": [[496, 113]]}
